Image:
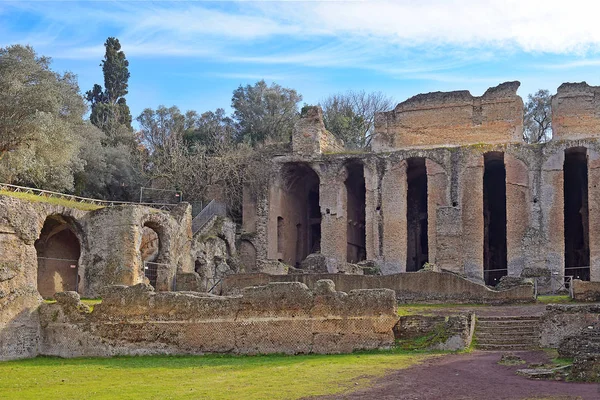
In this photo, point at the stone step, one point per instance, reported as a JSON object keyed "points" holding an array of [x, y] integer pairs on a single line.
{"points": [[505, 335], [507, 332], [505, 347], [509, 322], [513, 329], [508, 318], [516, 341]]}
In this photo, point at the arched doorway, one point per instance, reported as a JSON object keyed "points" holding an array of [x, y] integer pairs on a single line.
{"points": [[299, 219], [58, 250], [149, 251]]}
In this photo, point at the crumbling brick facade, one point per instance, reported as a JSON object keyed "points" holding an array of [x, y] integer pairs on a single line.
{"points": [[493, 205]]}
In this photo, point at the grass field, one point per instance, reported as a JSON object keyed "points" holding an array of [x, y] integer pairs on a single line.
{"points": [[200, 377], [51, 200]]}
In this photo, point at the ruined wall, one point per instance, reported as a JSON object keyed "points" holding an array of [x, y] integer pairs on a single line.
{"points": [[424, 286], [310, 136], [560, 321], [452, 119], [576, 111], [277, 318], [109, 241]]}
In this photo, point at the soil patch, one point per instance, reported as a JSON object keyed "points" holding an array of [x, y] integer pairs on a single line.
{"points": [[473, 376]]}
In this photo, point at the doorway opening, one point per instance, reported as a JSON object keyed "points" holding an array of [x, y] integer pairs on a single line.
{"points": [[494, 218], [417, 253]]}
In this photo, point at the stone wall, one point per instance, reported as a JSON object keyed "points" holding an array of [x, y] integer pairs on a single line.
{"points": [[451, 119], [310, 136], [576, 111], [535, 239], [409, 287], [109, 240], [586, 291], [277, 318], [561, 321]]}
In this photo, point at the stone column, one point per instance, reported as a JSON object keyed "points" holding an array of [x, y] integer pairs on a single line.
{"points": [[332, 200], [472, 215], [371, 212], [517, 212], [437, 196], [594, 213], [552, 204], [393, 202]]}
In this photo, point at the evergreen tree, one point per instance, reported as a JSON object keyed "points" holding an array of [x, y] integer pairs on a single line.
{"points": [[110, 111]]}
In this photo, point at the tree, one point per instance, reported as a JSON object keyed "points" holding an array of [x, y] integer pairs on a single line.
{"points": [[537, 123], [40, 114], [213, 130], [161, 129], [110, 111], [350, 116], [265, 112]]}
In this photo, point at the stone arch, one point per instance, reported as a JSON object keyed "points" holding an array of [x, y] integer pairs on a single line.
{"points": [[59, 250], [153, 248]]}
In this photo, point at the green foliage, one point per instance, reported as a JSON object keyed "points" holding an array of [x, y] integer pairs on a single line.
{"points": [[438, 335], [52, 200], [40, 113], [350, 116], [554, 299], [265, 112], [537, 122], [110, 111], [200, 377]]}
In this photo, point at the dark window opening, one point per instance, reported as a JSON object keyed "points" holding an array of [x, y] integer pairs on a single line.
{"points": [[576, 214], [494, 218], [58, 252], [355, 212], [416, 214], [300, 214]]}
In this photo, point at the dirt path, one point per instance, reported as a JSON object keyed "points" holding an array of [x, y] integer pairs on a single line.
{"points": [[474, 376]]}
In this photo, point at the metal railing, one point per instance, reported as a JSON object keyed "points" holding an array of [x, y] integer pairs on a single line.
{"points": [[214, 208], [77, 199]]}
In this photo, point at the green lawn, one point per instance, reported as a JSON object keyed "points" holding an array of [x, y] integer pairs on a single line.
{"points": [[51, 200], [200, 377]]}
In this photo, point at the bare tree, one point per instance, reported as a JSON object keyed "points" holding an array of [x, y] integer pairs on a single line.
{"points": [[537, 123], [350, 116]]}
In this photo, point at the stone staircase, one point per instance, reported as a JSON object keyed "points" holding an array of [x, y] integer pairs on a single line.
{"points": [[507, 333]]}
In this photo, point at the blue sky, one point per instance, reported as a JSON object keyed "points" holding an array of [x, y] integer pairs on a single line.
{"points": [[193, 54]]}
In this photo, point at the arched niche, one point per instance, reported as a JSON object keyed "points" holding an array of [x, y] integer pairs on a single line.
{"points": [[58, 251]]}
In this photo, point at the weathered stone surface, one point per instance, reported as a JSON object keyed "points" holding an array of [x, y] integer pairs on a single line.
{"points": [[575, 111], [449, 333], [314, 263], [586, 291], [277, 318], [586, 368], [585, 342], [424, 286], [310, 135], [561, 321], [452, 118]]}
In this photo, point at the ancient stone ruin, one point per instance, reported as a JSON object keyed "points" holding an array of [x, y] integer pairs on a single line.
{"points": [[449, 205], [449, 182]]}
